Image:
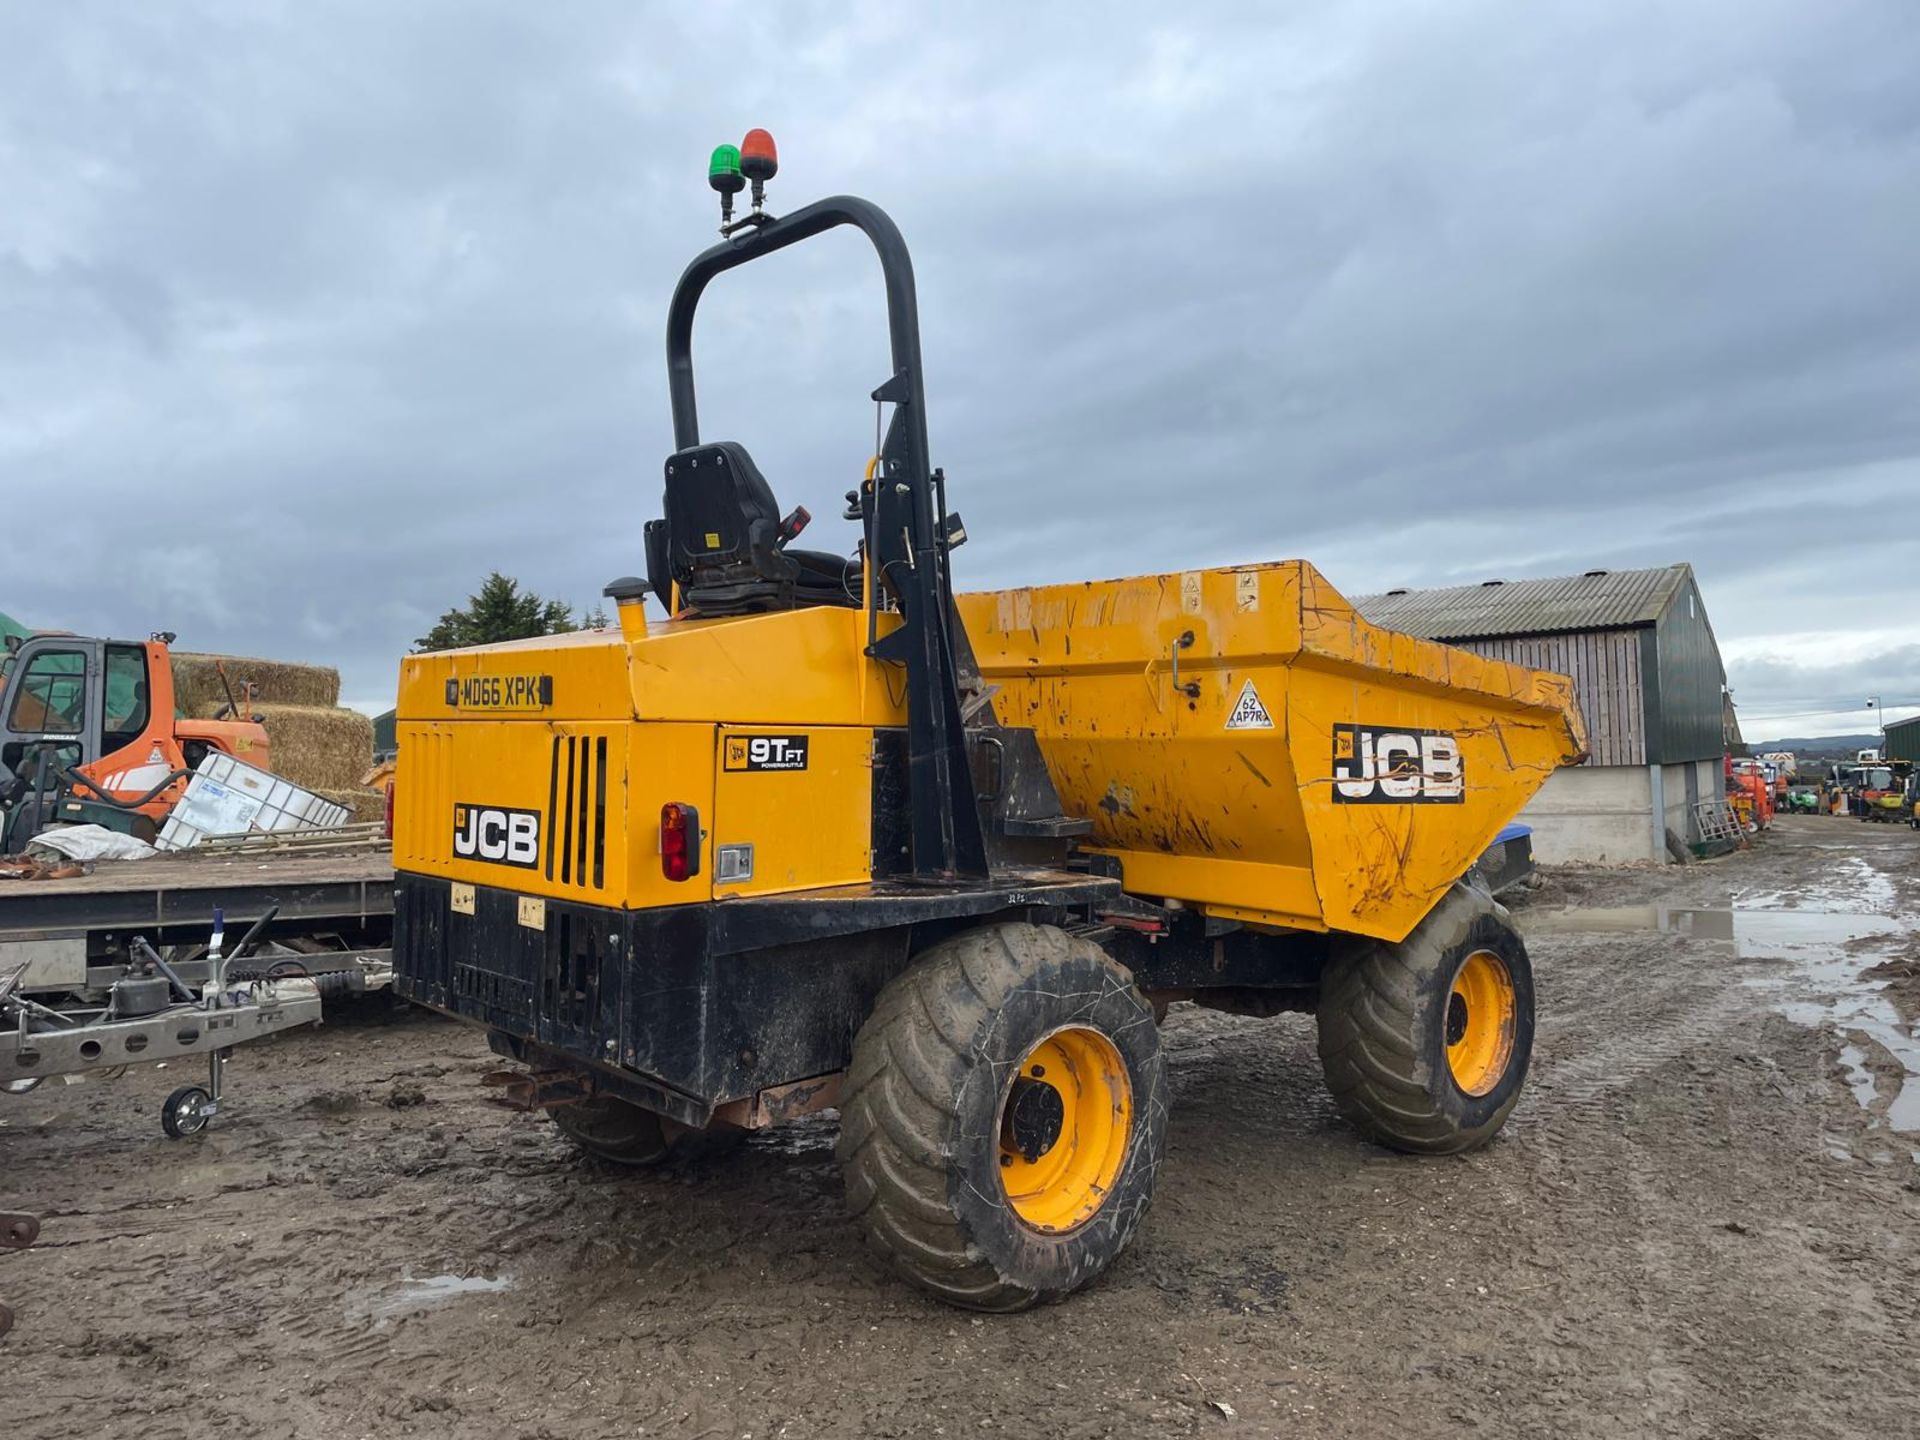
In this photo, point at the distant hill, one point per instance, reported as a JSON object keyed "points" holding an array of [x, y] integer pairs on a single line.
{"points": [[1819, 744]]}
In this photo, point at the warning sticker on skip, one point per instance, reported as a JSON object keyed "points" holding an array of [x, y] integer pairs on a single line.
{"points": [[1248, 712]]}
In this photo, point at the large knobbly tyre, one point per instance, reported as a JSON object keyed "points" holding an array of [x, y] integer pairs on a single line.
{"points": [[1425, 1044], [1003, 1119], [622, 1133]]}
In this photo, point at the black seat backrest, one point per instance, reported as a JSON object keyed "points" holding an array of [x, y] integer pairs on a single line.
{"points": [[721, 515], [720, 541]]}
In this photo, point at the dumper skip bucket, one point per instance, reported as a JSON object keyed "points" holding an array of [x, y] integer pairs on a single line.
{"points": [[1247, 745]]}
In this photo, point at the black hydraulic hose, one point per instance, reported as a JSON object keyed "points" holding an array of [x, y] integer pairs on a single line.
{"points": [[328, 984], [252, 936], [139, 945], [75, 779], [288, 969]]}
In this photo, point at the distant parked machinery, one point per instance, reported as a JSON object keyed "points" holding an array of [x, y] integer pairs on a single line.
{"points": [[1869, 792], [1750, 793]]}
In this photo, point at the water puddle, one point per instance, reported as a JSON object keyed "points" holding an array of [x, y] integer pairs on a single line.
{"points": [[411, 1295], [1823, 952], [1853, 1060], [1754, 929]]}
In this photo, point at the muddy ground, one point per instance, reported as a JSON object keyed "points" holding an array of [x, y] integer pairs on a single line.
{"points": [[1702, 1220]]}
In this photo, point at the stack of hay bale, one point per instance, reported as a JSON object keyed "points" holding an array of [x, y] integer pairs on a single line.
{"points": [[315, 743]]}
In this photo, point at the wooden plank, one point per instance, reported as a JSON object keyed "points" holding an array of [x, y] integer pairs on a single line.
{"points": [[1604, 666], [187, 870]]}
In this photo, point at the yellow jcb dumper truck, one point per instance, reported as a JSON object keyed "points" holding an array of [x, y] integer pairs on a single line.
{"points": [[818, 833]]}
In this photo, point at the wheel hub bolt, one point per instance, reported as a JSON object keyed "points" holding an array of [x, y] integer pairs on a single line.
{"points": [[1035, 1116]]}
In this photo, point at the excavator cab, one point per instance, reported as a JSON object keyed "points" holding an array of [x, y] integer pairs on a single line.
{"points": [[88, 732]]}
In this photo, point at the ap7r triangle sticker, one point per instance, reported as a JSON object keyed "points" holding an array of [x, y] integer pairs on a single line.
{"points": [[1248, 712]]}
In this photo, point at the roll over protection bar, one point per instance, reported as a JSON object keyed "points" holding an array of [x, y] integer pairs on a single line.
{"points": [[907, 541]]}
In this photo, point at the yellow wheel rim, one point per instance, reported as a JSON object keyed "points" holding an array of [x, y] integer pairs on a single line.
{"points": [[1065, 1119], [1480, 1018]]}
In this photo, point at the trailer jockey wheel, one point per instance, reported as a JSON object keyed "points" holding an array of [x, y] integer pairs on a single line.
{"points": [[1004, 1117], [186, 1112], [17, 1232], [1425, 1043]]}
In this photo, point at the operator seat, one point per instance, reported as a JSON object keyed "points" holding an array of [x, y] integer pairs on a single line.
{"points": [[726, 545]]}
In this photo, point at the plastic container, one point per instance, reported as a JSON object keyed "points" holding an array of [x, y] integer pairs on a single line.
{"points": [[230, 797]]}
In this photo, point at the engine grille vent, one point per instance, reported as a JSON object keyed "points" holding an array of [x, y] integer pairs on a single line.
{"points": [[577, 812]]}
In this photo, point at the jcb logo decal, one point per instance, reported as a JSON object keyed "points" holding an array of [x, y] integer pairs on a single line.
{"points": [[1396, 767], [765, 752], [500, 837]]}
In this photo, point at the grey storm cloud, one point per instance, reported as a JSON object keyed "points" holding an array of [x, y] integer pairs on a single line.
{"points": [[312, 314], [1794, 690]]}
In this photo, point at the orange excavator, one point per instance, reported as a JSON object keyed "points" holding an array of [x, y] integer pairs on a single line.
{"points": [[88, 732], [1750, 792]]}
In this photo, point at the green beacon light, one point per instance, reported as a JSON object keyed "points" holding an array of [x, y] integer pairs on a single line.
{"points": [[723, 174]]}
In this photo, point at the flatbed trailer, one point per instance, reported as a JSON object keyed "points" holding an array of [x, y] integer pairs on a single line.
{"points": [[334, 911]]}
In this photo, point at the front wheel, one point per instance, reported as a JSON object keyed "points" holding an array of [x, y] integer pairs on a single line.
{"points": [[1425, 1043], [1004, 1117]]}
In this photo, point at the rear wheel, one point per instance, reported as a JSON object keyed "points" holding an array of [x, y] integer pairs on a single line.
{"points": [[622, 1133], [1004, 1117], [1425, 1044]]}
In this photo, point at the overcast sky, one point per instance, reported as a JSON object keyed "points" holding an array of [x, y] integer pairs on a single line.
{"points": [[312, 314]]}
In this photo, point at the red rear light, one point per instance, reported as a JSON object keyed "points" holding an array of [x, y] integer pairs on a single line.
{"points": [[679, 841]]}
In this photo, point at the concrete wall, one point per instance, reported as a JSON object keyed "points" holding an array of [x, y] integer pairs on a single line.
{"points": [[1598, 814], [1603, 814], [1683, 787]]}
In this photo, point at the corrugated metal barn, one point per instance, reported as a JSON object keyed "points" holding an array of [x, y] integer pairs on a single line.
{"points": [[1903, 740], [1651, 685]]}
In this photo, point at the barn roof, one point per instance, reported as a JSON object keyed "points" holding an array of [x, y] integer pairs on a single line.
{"points": [[1597, 600]]}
